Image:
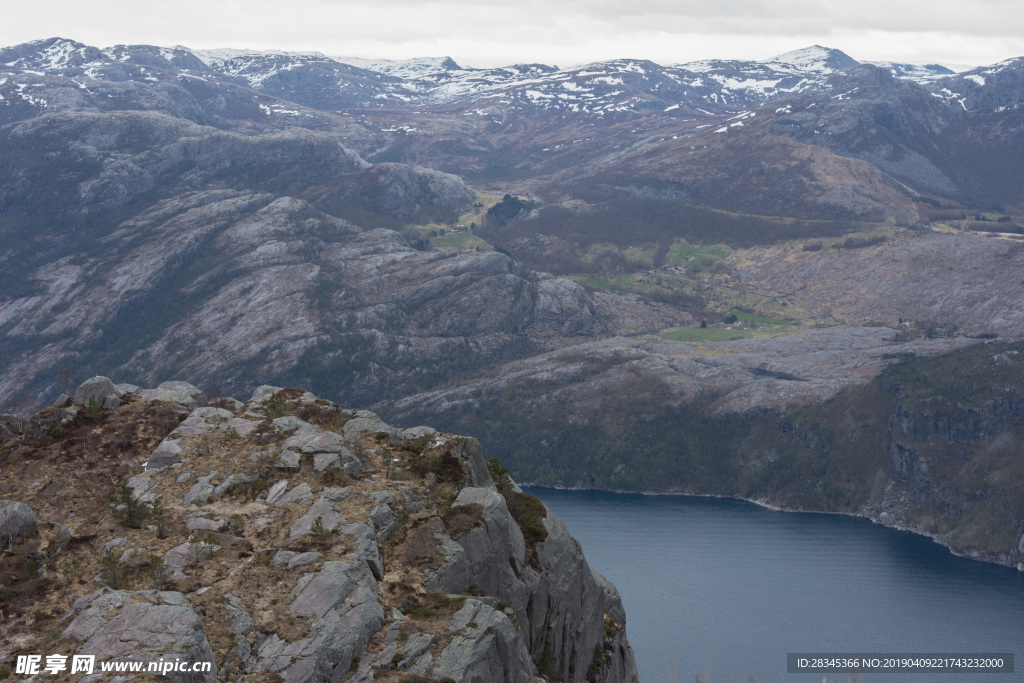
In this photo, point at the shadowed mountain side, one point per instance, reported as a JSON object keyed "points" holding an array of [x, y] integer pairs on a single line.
{"points": [[922, 435], [226, 287]]}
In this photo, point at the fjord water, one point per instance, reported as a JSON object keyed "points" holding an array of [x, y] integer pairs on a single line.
{"points": [[728, 587]]}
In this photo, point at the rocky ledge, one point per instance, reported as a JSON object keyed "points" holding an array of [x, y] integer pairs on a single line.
{"points": [[286, 539]]}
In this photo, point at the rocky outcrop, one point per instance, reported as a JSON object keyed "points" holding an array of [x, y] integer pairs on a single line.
{"points": [[15, 519], [99, 390], [239, 549], [141, 626]]}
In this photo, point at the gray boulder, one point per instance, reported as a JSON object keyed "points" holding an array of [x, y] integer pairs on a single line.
{"points": [[166, 454], [233, 481], [201, 491], [15, 519], [288, 461], [126, 388], [182, 393], [323, 509], [101, 389], [315, 442], [141, 626], [263, 392], [289, 422], [323, 461], [279, 496], [364, 421]]}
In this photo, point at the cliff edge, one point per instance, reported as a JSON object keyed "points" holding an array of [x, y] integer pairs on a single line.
{"points": [[284, 539]]}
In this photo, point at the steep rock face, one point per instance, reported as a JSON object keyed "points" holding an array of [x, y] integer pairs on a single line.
{"points": [[287, 536]]}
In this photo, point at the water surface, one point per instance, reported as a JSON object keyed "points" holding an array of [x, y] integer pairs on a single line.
{"points": [[728, 587]]}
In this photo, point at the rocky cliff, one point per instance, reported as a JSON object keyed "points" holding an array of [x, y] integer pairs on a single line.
{"points": [[286, 539]]}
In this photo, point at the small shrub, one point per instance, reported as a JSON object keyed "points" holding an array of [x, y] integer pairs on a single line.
{"points": [[499, 475], [321, 535], [432, 605], [275, 406], [236, 524], [159, 517], [158, 571], [92, 409], [547, 665], [334, 476], [110, 570], [461, 519], [128, 509]]}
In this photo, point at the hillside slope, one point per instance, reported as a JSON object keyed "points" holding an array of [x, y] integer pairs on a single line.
{"points": [[287, 539]]}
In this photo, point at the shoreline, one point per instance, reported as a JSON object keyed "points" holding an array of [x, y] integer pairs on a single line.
{"points": [[763, 503]]}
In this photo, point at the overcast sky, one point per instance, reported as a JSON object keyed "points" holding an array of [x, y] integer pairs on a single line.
{"points": [[567, 32]]}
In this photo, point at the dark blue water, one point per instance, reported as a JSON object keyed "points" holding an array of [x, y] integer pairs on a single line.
{"points": [[726, 587]]}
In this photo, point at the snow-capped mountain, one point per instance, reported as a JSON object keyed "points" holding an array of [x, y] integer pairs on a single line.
{"points": [[407, 69], [609, 88], [538, 120]]}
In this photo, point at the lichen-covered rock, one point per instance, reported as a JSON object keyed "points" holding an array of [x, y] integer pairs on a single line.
{"points": [[100, 389], [15, 519], [279, 495], [141, 626], [166, 454], [263, 392], [288, 461], [364, 421], [182, 393], [322, 510], [201, 491]]}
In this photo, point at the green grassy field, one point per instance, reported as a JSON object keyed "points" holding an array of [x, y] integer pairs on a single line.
{"points": [[714, 333], [696, 258], [757, 326], [460, 240], [749, 319]]}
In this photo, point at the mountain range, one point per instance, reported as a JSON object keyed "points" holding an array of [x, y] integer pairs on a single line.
{"points": [[596, 247]]}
